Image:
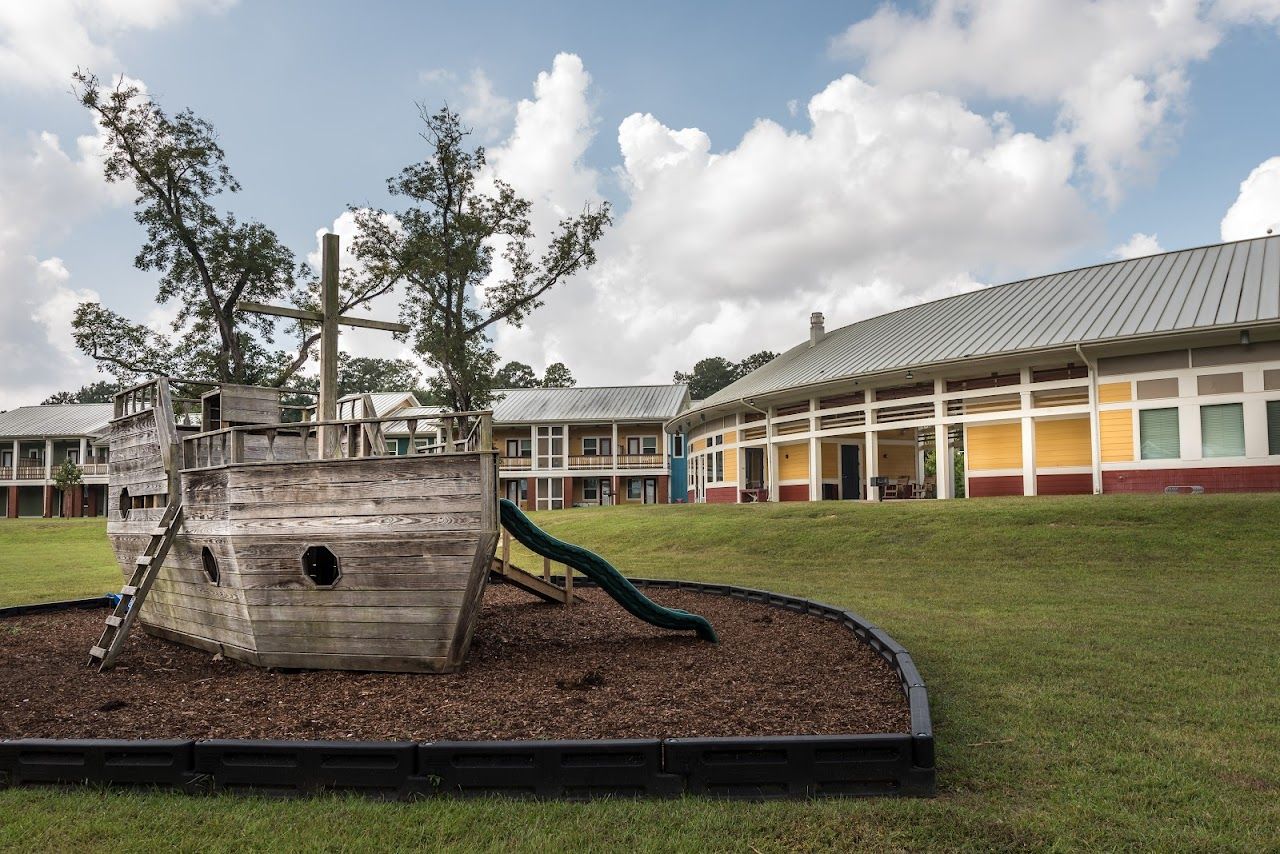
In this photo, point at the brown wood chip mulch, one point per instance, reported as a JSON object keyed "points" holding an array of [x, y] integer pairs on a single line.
{"points": [[535, 671]]}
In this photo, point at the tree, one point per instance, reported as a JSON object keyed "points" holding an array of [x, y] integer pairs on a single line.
{"points": [[558, 376], [754, 361], [715, 372], [207, 260], [66, 476], [708, 376], [361, 374], [441, 247], [515, 375], [100, 392]]}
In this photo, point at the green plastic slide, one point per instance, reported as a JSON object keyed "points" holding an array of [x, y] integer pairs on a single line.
{"points": [[602, 573]]}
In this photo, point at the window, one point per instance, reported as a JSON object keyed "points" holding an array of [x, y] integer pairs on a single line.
{"points": [[597, 446], [550, 448], [591, 489], [649, 445], [635, 488], [321, 566], [1222, 430], [719, 473], [1273, 427], [1158, 434], [633, 445], [519, 448], [550, 493], [209, 563], [677, 445]]}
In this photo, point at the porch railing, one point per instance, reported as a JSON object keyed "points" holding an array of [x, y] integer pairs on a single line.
{"points": [[587, 463]]}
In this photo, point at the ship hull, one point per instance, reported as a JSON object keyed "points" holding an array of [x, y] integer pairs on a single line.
{"points": [[411, 541]]}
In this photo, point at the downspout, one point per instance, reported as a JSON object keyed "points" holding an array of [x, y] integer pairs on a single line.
{"points": [[1095, 426]]}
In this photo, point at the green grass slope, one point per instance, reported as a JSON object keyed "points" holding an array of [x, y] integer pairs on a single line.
{"points": [[1102, 673]]}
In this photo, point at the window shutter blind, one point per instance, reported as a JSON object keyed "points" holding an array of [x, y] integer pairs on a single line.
{"points": [[1273, 426], [1222, 430], [1158, 430]]}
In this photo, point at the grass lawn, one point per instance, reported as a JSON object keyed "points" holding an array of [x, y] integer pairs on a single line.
{"points": [[1104, 674]]}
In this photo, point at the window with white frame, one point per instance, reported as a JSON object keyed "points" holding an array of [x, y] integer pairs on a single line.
{"points": [[519, 447], [1158, 436], [550, 493], [677, 445], [1222, 430], [635, 488], [591, 489], [649, 445], [597, 446], [719, 464], [550, 447]]}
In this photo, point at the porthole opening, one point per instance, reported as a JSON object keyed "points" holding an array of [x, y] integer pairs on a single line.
{"points": [[210, 564], [321, 566], [124, 504]]}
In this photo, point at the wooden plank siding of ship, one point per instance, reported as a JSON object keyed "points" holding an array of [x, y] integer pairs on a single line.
{"points": [[414, 537]]}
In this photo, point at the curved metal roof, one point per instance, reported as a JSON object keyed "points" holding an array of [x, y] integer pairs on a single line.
{"points": [[1192, 289]]}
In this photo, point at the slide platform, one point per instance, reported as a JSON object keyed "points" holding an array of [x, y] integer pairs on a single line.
{"points": [[602, 573]]}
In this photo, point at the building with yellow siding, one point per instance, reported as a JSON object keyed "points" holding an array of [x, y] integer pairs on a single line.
{"points": [[1148, 374]]}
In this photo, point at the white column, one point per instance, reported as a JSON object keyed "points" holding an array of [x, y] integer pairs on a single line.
{"points": [[873, 464], [614, 446], [1028, 456], [944, 464], [16, 448], [48, 459], [771, 454], [533, 445], [1255, 427], [84, 447], [1028, 438], [815, 469]]}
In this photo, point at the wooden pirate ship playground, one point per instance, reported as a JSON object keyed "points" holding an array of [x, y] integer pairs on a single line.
{"points": [[309, 543]]}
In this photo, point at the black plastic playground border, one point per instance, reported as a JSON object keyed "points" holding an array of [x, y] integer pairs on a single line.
{"points": [[747, 768]]}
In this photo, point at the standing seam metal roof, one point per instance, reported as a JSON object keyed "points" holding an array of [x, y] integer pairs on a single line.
{"points": [[605, 403], [1220, 285], [63, 419]]}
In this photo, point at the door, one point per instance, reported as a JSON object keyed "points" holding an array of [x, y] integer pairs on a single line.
{"points": [[850, 476], [650, 490], [755, 468]]}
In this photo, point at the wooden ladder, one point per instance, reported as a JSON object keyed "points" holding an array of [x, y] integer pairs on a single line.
{"points": [[135, 592]]}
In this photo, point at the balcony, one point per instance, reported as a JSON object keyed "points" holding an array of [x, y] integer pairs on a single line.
{"points": [[623, 462], [35, 471]]}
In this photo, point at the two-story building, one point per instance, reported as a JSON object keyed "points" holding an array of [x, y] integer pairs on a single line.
{"points": [[1159, 373], [565, 447], [34, 442]]}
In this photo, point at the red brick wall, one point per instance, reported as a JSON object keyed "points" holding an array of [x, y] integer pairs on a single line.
{"points": [[1221, 479], [664, 489], [794, 492], [722, 495], [1064, 484], [987, 487]]}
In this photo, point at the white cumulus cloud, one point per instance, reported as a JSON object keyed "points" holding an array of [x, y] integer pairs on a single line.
{"points": [[884, 199], [1137, 246], [1256, 210], [1116, 72], [43, 41]]}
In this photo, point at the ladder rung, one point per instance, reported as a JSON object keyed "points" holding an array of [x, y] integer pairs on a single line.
{"points": [[97, 652], [159, 532], [128, 590], [144, 560], [113, 620]]}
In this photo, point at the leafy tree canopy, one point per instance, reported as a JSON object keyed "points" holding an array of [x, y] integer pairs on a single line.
{"points": [[100, 392], [441, 248], [713, 373], [558, 376], [207, 260]]}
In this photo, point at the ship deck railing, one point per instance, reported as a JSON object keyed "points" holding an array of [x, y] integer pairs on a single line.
{"points": [[352, 438]]}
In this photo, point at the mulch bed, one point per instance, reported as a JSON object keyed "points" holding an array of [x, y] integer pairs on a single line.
{"points": [[535, 671]]}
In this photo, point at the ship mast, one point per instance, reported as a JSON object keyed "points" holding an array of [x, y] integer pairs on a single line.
{"points": [[329, 319]]}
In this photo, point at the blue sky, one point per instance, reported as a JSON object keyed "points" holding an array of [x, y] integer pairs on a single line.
{"points": [[729, 249]]}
